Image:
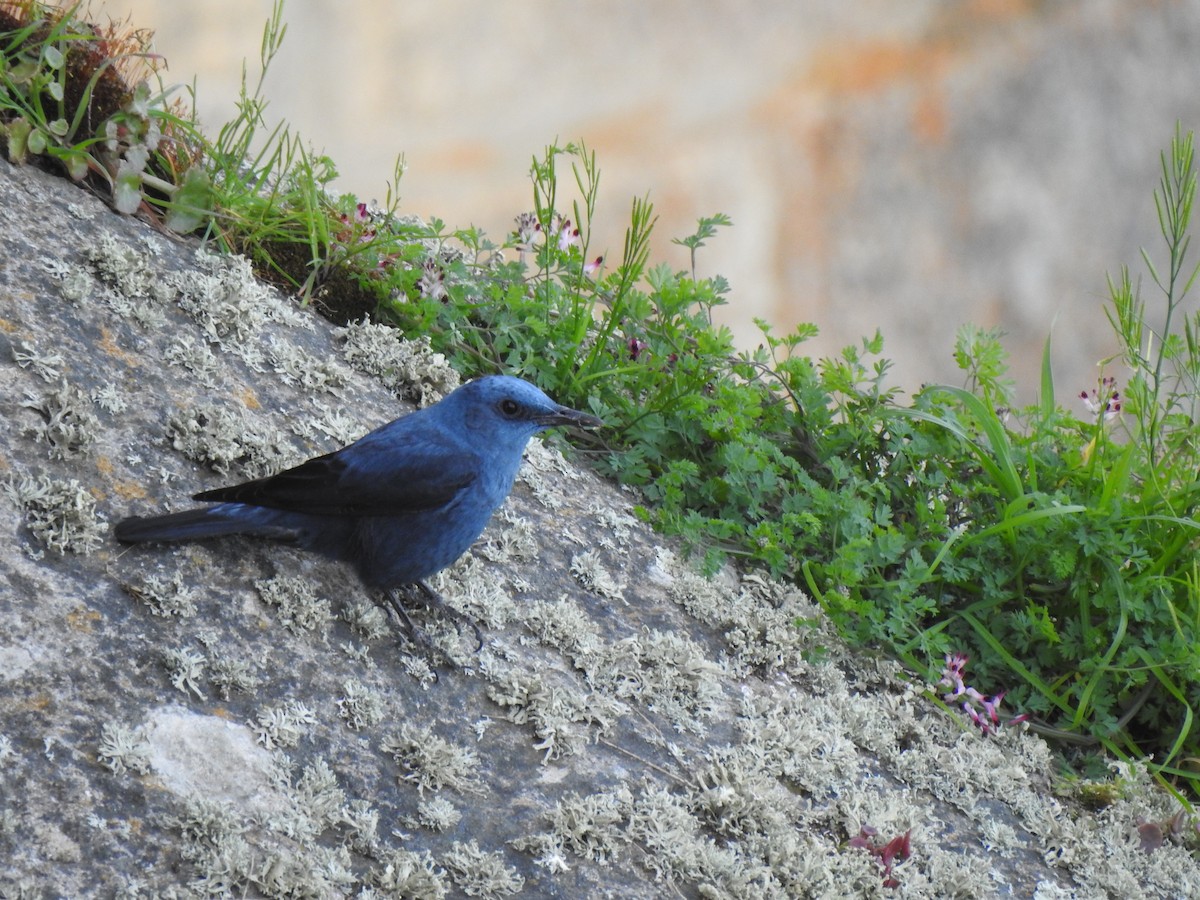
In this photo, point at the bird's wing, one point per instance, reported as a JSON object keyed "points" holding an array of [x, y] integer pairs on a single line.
{"points": [[370, 478]]}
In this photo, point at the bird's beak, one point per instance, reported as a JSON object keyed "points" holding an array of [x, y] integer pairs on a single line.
{"points": [[564, 415]]}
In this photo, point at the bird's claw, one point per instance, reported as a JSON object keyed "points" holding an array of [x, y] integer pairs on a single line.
{"points": [[419, 635]]}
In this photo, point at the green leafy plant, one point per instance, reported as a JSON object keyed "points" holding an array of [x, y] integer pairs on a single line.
{"points": [[79, 95], [1062, 550]]}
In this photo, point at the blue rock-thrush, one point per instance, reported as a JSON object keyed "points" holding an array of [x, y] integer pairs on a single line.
{"points": [[399, 504]]}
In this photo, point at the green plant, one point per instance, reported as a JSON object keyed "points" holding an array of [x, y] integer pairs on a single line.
{"points": [[1062, 550], [79, 95]]}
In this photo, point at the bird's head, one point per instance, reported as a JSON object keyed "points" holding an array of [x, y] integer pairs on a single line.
{"points": [[511, 409]]}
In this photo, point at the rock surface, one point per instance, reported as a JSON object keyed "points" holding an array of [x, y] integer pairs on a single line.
{"points": [[237, 717]]}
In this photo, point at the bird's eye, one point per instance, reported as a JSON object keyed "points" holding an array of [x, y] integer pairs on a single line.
{"points": [[510, 407]]}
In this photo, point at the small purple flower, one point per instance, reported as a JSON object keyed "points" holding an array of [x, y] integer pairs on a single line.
{"points": [[590, 269], [635, 347], [1104, 398], [432, 283], [356, 227], [981, 709], [528, 228]]}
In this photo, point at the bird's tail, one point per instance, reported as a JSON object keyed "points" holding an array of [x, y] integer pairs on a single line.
{"points": [[204, 522]]}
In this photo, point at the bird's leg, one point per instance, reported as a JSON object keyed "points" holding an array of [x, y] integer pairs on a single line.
{"points": [[434, 599], [417, 635]]}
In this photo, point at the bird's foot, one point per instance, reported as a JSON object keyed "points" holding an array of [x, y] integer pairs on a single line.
{"points": [[419, 635]]}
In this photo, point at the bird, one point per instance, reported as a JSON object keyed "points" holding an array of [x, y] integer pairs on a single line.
{"points": [[399, 504]]}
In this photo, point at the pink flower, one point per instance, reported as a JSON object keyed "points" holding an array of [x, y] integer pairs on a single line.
{"points": [[981, 709], [432, 283], [1106, 398], [635, 347], [568, 235], [590, 269]]}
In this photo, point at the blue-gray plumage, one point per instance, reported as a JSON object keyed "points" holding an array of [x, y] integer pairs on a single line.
{"points": [[399, 504]]}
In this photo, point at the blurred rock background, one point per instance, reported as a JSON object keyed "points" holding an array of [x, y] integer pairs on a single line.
{"points": [[907, 166]]}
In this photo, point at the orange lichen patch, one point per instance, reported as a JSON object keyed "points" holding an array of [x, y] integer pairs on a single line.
{"points": [[109, 346], [8, 326], [249, 398], [39, 702], [81, 619], [104, 465], [129, 490]]}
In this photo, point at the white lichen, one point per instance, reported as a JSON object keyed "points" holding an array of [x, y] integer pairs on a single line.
{"points": [[61, 515], [45, 364], [122, 748], [282, 725], [409, 368], [69, 426], [165, 598], [226, 439], [227, 675], [431, 762], [478, 873], [359, 705], [437, 814], [185, 668], [296, 601]]}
